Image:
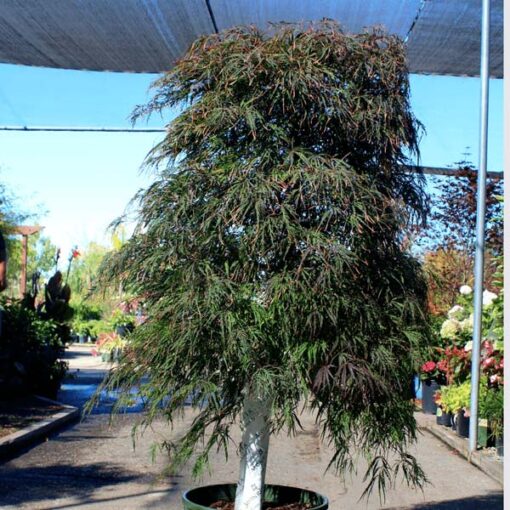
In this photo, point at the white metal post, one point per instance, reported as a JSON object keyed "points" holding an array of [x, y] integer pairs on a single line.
{"points": [[480, 226]]}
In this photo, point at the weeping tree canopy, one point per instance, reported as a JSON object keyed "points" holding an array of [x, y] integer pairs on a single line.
{"points": [[270, 246]]}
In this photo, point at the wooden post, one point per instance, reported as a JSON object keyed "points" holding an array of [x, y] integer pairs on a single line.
{"points": [[24, 249], [25, 231]]}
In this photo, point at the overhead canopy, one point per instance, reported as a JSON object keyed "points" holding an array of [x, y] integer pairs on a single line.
{"points": [[443, 36]]}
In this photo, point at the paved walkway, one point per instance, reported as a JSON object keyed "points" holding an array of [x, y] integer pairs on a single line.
{"points": [[92, 465]]}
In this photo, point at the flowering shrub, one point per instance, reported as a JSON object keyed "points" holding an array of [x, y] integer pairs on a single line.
{"points": [[430, 370], [492, 363], [451, 361], [455, 363], [465, 290]]}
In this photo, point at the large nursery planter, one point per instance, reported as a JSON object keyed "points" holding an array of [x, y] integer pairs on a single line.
{"points": [[462, 424], [202, 497], [429, 388]]}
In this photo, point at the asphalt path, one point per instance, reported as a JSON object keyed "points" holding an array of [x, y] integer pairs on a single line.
{"points": [[93, 464]]}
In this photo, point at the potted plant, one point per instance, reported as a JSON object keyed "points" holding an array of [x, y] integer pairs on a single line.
{"points": [[122, 323], [83, 331], [110, 346], [456, 398], [432, 375], [443, 415], [492, 410], [270, 253]]}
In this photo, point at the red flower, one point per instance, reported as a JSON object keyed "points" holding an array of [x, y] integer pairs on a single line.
{"points": [[442, 365], [429, 366], [76, 254]]}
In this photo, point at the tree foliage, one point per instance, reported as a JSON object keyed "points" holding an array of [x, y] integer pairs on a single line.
{"points": [[453, 216], [84, 271], [450, 236], [454, 213], [269, 247]]}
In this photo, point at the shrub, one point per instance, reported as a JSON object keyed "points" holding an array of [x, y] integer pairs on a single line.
{"points": [[30, 348], [86, 312], [492, 408]]}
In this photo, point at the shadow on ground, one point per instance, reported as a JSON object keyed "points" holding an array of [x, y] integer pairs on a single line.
{"points": [[40, 483], [77, 393], [492, 501], [74, 354]]}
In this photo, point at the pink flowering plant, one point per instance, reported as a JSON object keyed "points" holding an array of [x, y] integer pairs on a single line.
{"points": [[492, 363], [433, 370]]}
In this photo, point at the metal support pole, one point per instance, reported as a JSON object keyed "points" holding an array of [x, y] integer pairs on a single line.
{"points": [[480, 226]]}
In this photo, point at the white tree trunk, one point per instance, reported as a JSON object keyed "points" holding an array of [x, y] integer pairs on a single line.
{"points": [[254, 446]]}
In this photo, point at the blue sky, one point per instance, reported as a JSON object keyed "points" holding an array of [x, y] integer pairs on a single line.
{"points": [[81, 181]]}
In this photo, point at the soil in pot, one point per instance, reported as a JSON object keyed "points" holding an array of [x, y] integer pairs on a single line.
{"points": [[276, 497], [429, 387], [229, 505]]}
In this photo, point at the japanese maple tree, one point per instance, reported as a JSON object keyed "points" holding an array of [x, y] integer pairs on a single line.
{"points": [[270, 250]]}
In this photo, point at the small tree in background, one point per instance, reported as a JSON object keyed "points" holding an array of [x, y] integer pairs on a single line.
{"points": [[450, 236], [269, 249], [453, 216]]}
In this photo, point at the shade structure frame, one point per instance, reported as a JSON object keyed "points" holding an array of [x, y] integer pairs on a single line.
{"points": [[442, 36]]}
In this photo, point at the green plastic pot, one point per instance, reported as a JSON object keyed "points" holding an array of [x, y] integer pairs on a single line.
{"points": [[201, 497]]}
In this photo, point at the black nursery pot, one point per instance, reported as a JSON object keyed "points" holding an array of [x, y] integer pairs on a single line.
{"points": [[444, 419], [429, 387], [500, 447], [201, 497], [462, 425]]}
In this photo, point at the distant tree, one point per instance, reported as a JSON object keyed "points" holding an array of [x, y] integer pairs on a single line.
{"points": [[450, 236], [452, 222], [270, 252], [10, 211], [84, 271], [446, 269]]}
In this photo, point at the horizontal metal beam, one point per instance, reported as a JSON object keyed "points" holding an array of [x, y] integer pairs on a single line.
{"points": [[429, 170], [453, 172], [82, 129]]}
